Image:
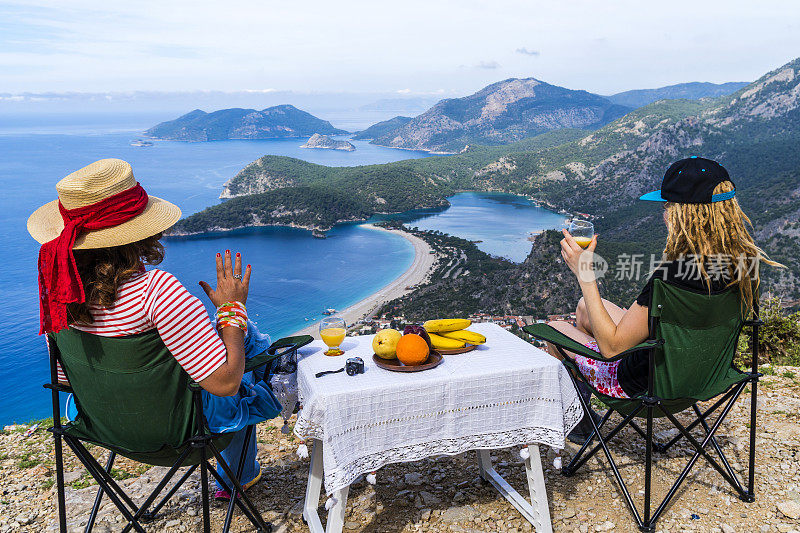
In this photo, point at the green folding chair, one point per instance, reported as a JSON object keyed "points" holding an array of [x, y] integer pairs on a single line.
{"points": [[693, 339], [135, 400]]}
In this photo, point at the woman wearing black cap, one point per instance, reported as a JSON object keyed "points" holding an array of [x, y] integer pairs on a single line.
{"points": [[708, 248]]}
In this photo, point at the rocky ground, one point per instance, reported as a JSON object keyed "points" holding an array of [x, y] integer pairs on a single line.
{"points": [[445, 494]]}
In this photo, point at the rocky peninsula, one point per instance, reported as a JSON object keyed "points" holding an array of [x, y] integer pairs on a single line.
{"points": [[327, 143]]}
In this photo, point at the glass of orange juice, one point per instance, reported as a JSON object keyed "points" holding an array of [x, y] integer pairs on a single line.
{"points": [[582, 231], [332, 329]]}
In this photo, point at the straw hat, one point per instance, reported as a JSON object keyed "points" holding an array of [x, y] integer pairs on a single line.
{"points": [[90, 185]]}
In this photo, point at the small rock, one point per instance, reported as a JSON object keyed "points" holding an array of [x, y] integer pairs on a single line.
{"points": [[71, 477], [173, 523], [429, 499], [351, 525], [459, 514], [790, 509], [726, 528], [605, 526], [413, 479]]}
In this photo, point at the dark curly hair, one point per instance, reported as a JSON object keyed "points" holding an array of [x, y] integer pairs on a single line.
{"points": [[103, 270]]}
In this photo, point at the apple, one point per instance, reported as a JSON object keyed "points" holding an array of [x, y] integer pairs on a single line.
{"points": [[385, 343], [416, 329]]}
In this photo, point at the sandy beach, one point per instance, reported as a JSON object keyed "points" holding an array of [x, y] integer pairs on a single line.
{"points": [[416, 273]]}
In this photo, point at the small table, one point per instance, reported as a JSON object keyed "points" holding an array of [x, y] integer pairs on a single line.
{"points": [[505, 393]]}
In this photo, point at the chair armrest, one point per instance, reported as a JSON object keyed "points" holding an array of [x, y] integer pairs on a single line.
{"points": [[277, 349], [57, 386], [550, 334]]}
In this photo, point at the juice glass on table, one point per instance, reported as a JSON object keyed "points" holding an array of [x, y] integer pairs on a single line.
{"points": [[582, 231], [333, 330]]}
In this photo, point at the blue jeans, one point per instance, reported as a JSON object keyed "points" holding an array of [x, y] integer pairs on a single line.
{"points": [[254, 403], [231, 455]]}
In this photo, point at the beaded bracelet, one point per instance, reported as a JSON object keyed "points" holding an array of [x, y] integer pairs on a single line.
{"points": [[232, 314]]}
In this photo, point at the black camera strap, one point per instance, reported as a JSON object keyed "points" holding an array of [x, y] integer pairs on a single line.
{"points": [[320, 374]]}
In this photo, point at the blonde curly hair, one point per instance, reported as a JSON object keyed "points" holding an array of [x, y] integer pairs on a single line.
{"points": [[708, 232]]}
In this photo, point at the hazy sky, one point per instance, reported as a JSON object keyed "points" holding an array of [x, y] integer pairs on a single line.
{"points": [[450, 47]]}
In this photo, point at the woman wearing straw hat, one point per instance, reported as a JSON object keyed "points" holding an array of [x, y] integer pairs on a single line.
{"points": [[96, 239]]}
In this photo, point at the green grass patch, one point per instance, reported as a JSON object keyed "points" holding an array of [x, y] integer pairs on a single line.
{"points": [[82, 483], [26, 461], [119, 475]]}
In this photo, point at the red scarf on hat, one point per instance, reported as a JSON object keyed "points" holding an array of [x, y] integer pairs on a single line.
{"points": [[59, 280]]}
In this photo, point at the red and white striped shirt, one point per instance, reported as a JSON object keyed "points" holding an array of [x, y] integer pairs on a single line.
{"points": [[156, 300]]}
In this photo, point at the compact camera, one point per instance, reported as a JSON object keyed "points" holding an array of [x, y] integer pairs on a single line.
{"points": [[353, 366]]}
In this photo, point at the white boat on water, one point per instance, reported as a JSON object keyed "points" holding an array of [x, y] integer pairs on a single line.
{"points": [[329, 311], [141, 142]]}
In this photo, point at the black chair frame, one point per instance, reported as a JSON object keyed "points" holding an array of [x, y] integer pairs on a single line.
{"points": [[202, 440], [652, 405]]}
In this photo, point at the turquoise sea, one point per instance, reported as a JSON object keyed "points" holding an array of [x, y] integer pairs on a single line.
{"points": [[502, 223], [295, 277]]}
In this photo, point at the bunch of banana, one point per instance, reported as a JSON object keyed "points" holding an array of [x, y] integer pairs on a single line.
{"points": [[445, 325], [450, 333]]}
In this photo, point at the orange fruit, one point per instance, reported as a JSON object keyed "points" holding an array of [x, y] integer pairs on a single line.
{"points": [[412, 349]]}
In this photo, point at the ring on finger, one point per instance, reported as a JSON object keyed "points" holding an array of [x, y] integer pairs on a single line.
{"points": [[237, 276]]}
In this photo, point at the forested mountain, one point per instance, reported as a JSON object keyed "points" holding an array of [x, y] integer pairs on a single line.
{"points": [[754, 133], [271, 123], [382, 128], [689, 91], [503, 112]]}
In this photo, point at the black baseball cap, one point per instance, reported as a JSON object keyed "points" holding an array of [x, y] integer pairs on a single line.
{"points": [[692, 181]]}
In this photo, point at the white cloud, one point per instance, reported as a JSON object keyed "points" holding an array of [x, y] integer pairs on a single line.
{"points": [[488, 65], [525, 51]]}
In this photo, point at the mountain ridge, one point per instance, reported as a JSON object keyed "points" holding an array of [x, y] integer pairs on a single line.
{"points": [[689, 91], [503, 112]]}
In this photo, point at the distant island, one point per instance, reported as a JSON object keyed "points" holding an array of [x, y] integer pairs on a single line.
{"points": [[326, 143], [278, 122]]}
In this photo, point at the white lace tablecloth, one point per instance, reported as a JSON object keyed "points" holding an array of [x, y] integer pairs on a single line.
{"points": [[505, 393]]}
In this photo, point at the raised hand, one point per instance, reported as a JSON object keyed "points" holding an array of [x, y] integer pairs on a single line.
{"points": [[232, 285]]}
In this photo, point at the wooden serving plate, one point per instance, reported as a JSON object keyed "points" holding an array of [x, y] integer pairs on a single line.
{"points": [[454, 351], [434, 359]]}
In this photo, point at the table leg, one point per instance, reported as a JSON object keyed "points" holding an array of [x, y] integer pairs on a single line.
{"points": [[335, 521], [312, 489], [536, 513], [537, 488]]}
